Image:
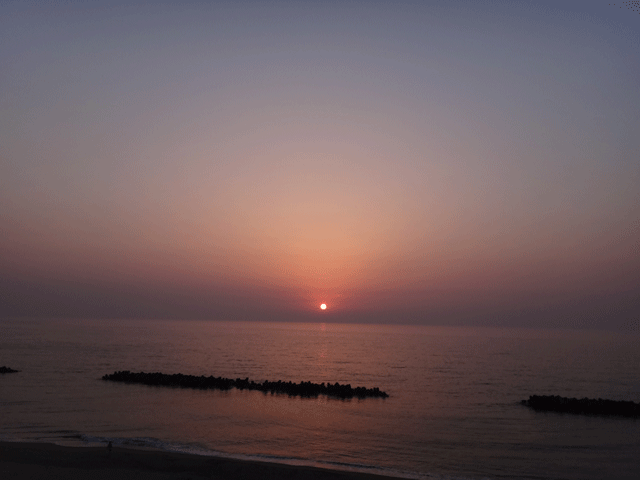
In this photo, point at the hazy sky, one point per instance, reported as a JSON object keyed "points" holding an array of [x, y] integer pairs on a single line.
{"points": [[437, 162]]}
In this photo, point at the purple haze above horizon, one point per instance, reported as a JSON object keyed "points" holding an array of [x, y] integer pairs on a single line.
{"points": [[447, 162]]}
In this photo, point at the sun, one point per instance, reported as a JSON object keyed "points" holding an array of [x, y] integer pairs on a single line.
{"points": [[323, 306]]}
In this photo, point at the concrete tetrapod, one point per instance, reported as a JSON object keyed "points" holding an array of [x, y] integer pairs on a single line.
{"points": [[304, 389], [587, 406]]}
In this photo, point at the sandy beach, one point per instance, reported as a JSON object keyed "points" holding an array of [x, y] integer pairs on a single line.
{"points": [[35, 461]]}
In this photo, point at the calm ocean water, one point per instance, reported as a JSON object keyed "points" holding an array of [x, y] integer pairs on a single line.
{"points": [[453, 410]]}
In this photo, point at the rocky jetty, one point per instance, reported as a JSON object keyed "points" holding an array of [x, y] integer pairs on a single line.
{"points": [[4, 369], [587, 406], [303, 389]]}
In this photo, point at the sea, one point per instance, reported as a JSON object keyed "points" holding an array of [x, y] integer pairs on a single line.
{"points": [[454, 408]]}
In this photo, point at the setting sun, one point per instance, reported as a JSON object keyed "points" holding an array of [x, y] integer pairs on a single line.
{"points": [[323, 306]]}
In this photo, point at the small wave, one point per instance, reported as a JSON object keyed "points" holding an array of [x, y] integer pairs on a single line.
{"points": [[16, 402], [156, 444]]}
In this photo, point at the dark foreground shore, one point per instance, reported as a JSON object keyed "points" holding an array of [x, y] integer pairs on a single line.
{"points": [[36, 461]]}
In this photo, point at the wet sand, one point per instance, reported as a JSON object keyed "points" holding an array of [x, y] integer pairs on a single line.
{"points": [[36, 461]]}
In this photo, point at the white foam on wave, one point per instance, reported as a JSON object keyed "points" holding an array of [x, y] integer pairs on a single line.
{"points": [[151, 443]]}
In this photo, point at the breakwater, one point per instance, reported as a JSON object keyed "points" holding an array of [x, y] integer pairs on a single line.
{"points": [[588, 406], [4, 369], [303, 389]]}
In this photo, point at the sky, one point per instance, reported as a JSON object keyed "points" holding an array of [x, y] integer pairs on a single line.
{"points": [[439, 162]]}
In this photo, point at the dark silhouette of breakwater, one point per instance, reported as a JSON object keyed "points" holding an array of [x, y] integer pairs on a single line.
{"points": [[304, 389], [4, 369], [587, 406]]}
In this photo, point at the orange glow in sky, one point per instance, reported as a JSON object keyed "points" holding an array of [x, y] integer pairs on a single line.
{"points": [[274, 164]]}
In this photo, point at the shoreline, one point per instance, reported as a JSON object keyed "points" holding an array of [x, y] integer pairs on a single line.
{"points": [[46, 460]]}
